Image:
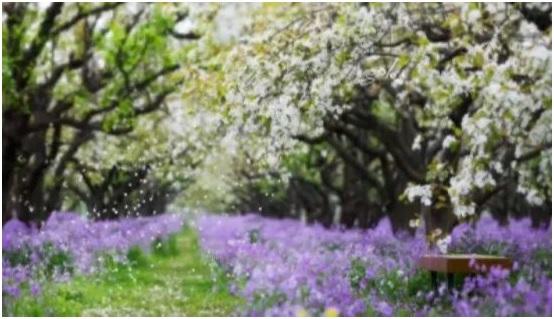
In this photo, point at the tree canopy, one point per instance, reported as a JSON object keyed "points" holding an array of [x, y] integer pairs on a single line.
{"points": [[446, 104], [79, 74], [337, 113]]}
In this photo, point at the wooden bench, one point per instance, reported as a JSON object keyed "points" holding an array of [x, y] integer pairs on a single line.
{"points": [[451, 264]]}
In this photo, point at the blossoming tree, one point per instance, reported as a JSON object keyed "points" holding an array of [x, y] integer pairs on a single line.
{"points": [[445, 104], [72, 73]]}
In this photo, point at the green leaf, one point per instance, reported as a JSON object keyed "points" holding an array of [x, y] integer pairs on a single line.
{"points": [[403, 60], [478, 60], [422, 41]]}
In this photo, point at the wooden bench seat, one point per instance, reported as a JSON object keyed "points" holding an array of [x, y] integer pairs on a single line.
{"points": [[451, 264]]}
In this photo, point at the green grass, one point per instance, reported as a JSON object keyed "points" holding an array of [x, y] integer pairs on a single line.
{"points": [[173, 281]]}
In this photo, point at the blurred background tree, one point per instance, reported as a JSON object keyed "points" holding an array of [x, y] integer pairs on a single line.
{"points": [[76, 74]]}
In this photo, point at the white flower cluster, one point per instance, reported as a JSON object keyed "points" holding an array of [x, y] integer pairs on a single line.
{"points": [[463, 183], [443, 243], [423, 192], [416, 145], [448, 141]]}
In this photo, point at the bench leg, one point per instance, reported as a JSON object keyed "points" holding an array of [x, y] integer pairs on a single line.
{"points": [[450, 281], [434, 280]]}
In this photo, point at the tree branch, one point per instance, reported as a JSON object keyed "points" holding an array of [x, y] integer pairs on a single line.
{"points": [[351, 160], [43, 34], [82, 15], [534, 152]]}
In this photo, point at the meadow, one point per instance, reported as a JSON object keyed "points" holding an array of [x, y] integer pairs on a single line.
{"points": [[251, 265]]}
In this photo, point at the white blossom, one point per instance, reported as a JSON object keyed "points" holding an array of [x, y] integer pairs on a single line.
{"points": [[416, 145], [448, 141], [423, 192], [443, 243]]}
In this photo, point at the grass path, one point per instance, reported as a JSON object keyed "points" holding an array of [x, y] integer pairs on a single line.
{"points": [[182, 284]]}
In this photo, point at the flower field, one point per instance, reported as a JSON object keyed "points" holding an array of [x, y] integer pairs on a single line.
{"points": [[278, 267], [69, 244], [282, 267]]}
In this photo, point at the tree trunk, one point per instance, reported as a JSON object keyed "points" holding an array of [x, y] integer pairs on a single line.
{"points": [[355, 199], [439, 218]]}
